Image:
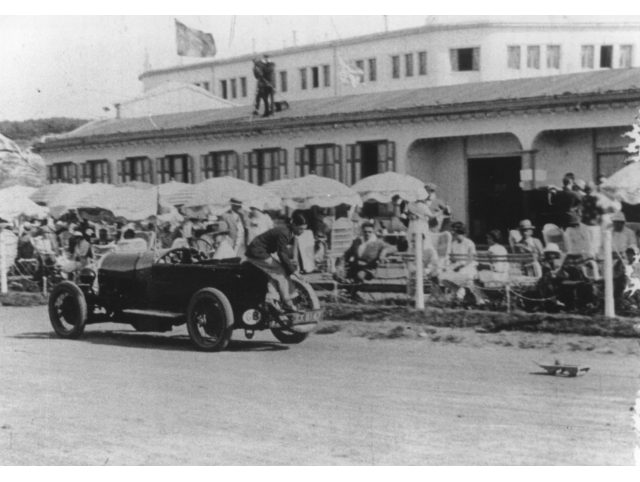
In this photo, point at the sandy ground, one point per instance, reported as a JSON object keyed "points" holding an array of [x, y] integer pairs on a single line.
{"points": [[372, 394]]}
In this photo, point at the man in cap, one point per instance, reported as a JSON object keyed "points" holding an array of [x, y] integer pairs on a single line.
{"points": [[528, 243], [622, 237], [277, 241], [237, 220]]}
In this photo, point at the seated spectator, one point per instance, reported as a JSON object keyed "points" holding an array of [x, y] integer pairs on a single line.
{"points": [[462, 271], [528, 243], [578, 240], [130, 244], [498, 271], [82, 253], [622, 237], [26, 249], [364, 254], [222, 244]]}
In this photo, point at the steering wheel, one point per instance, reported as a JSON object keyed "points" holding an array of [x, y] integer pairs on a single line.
{"points": [[182, 256]]}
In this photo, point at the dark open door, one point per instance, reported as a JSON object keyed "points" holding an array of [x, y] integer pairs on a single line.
{"points": [[495, 197]]}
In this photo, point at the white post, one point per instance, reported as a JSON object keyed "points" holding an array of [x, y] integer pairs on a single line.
{"points": [[419, 272], [609, 307], [3, 265]]}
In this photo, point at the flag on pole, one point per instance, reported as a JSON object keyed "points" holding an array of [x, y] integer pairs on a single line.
{"points": [[194, 43], [348, 74]]}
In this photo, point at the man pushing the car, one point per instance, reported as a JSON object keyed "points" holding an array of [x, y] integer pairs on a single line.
{"points": [[277, 240]]}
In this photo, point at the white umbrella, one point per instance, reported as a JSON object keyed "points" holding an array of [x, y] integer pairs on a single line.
{"points": [[63, 197], [382, 187], [312, 190], [175, 193], [14, 201], [624, 185], [215, 194]]}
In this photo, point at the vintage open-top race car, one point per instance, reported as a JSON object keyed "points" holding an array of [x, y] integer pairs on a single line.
{"points": [[155, 291]]}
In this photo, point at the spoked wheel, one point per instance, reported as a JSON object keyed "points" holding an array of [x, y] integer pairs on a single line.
{"points": [[67, 310], [210, 320], [306, 300]]}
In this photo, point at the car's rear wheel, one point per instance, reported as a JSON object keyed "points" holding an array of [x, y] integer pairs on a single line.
{"points": [[210, 320], [307, 300], [67, 310]]}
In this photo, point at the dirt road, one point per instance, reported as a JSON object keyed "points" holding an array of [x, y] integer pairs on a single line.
{"points": [[449, 397]]}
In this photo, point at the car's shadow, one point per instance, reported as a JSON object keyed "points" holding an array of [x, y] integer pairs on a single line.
{"points": [[153, 341]]}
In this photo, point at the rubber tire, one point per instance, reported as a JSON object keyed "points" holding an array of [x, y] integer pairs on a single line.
{"points": [[226, 330], [81, 306], [291, 337]]}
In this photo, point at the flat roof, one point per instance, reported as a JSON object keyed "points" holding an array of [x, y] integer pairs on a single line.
{"points": [[598, 86]]}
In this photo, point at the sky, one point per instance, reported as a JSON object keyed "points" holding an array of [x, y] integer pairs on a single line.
{"points": [[75, 66]]}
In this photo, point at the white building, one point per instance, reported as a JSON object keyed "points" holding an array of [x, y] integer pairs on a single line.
{"points": [[428, 56]]}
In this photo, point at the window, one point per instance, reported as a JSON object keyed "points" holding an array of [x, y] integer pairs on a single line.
{"points": [[606, 56], [323, 160], [408, 65], [373, 70], [513, 57], [223, 89], [422, 63], [315, 77], [533, 57], [135, 169], [221, 163], [464, 60], [586, 56], [174, 168], [395, 66], [234, 88], [553, 56], [303, 79], [626, 53], [360, 66], [96, 171], [63, 172], [265, 165], [243, 86], [367, 158], [283, 81], [326, 74]]}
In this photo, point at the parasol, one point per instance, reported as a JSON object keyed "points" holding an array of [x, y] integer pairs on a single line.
{"points": [[175, 193], [312, 190], [624, 185], [382, 187], [14, 201], [215, 194]]}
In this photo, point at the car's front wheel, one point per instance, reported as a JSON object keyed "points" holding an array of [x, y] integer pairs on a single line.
{"points": [[210, 320], [67, 310], [306, 300]]}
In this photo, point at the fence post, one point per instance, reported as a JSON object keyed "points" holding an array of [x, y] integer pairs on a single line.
{"points": [[3, 265], [609, 307], [419, 272]]}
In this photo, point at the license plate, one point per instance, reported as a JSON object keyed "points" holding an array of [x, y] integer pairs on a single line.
{"points": [[307, 317]]}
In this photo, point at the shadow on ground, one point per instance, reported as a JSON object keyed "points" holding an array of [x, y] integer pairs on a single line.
{"points": [[153, 341]]}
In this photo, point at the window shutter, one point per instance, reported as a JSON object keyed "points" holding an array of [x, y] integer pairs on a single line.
{"points": [[283, 164], [244, 170], [73, 173], [159, 169], [391, 156], [453, 57], [382, 157], [192, 172], [120, 168], [297, 154], [476, 59], [84, 168], [337, 161], [348, 172], [50, 174], [203, 166]]}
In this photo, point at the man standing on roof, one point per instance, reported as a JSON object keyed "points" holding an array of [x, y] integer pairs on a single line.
{"points": [[264, 72], [277, 241]]}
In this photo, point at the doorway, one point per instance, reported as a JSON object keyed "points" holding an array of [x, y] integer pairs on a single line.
{"points": [[495, 196]]}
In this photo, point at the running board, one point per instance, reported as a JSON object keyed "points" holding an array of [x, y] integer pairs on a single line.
{"points": [[153, 314]]}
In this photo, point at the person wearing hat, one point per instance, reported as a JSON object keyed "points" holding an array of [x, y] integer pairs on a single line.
{"points": [[528, 243], [622, 238], [237, 220], [222, 244], [279, 268]]}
